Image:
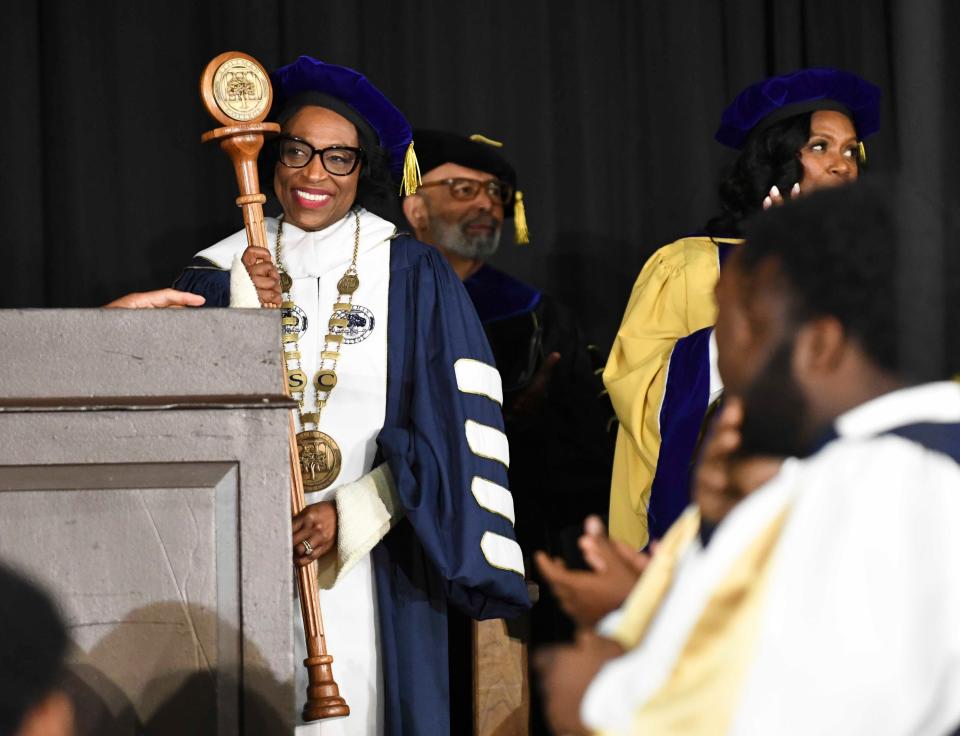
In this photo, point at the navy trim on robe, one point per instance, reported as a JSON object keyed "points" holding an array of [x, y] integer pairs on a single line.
{"points": [[497, 295], [684, 406], [942, 437], [935, 436], [207, 279]]}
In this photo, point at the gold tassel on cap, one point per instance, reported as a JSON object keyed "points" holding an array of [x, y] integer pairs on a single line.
{"points": [[411, 173], [522, 233], [520, 220], [478, 138], [862, 153]]}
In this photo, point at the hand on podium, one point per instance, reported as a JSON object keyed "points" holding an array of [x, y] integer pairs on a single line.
{"points": [[159, 299]]}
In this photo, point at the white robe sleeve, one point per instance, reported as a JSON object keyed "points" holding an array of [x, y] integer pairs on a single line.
{"points": [[367, 509], [242, 291]]}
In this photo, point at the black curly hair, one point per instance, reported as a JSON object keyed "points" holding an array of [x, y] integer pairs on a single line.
{"points": [[837, 250], [769, 157]]}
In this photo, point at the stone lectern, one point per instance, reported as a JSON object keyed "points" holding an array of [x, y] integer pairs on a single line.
{"points": [[145, 482]]}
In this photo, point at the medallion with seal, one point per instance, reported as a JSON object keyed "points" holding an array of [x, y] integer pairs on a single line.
{"points": [[241, 89], [294, 320], [360, 323], [319, 460]]}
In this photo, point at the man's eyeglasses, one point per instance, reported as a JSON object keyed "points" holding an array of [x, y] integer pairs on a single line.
{"points": [[467, 189], [337, 160]]}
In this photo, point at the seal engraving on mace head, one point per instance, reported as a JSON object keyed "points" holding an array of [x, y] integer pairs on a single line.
{"points": [[240, 88], [236, 89]]}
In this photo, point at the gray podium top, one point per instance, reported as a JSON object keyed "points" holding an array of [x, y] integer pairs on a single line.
{"points": [[54, 354]]}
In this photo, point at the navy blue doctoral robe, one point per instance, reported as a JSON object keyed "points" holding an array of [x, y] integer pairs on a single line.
{"points": [[432, 557]]}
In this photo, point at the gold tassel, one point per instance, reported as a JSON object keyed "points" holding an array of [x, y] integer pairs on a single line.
{"points": [[478, 138], [411, 173], [862, 153], [520, 220]]}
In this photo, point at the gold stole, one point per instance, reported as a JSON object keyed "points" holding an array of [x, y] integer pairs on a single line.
{"points": [[700, 694]]}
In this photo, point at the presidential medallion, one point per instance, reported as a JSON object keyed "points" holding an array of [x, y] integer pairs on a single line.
{"points": [[319, 459], [241, 89]]}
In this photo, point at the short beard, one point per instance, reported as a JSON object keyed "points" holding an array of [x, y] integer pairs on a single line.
{"points": [[451, 236], [774, 410]]}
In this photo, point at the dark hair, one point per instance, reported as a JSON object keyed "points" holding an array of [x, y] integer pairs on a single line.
{"points": [[837, 250], [377, 190], [768, 157], [32, 647]]}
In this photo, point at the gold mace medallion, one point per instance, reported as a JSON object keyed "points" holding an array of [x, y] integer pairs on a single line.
{"points": [[241, 89], [319, 459]]}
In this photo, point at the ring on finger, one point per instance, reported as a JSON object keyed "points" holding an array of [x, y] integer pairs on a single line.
{"points": [[307, 547]]}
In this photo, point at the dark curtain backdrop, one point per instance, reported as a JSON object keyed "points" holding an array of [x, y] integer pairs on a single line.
{"points": [[607, 108]]}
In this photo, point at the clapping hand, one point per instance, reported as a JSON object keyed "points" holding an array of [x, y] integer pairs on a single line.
{"points": [[589, 595], [722, 478]]}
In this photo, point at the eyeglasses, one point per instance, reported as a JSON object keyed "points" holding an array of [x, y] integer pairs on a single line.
{"points": [[467, 189], [337, 160]]}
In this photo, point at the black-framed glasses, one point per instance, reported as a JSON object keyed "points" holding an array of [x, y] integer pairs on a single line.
{"points": [[467, 189], [337, 160]]}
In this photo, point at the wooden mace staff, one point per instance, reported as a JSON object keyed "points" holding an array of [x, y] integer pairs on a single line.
{"points": [[236, 91]]}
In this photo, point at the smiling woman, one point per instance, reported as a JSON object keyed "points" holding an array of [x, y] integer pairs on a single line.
{"points": [[796, 133], [373, 326]]}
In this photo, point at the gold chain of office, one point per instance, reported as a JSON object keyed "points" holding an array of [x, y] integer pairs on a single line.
{"points": [[320, 458]]}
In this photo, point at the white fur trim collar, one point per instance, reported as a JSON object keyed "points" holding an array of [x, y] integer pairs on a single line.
{"points": [[308, 253]]}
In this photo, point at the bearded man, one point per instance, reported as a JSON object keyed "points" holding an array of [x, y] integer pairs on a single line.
{"points": [[551, 403], [555, 412], [825, 599]]}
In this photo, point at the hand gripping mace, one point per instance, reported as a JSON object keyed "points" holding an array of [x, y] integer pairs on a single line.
{"points": [[236, 92]]}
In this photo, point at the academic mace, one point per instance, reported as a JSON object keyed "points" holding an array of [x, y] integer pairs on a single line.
{"points": [[236, 91]]}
